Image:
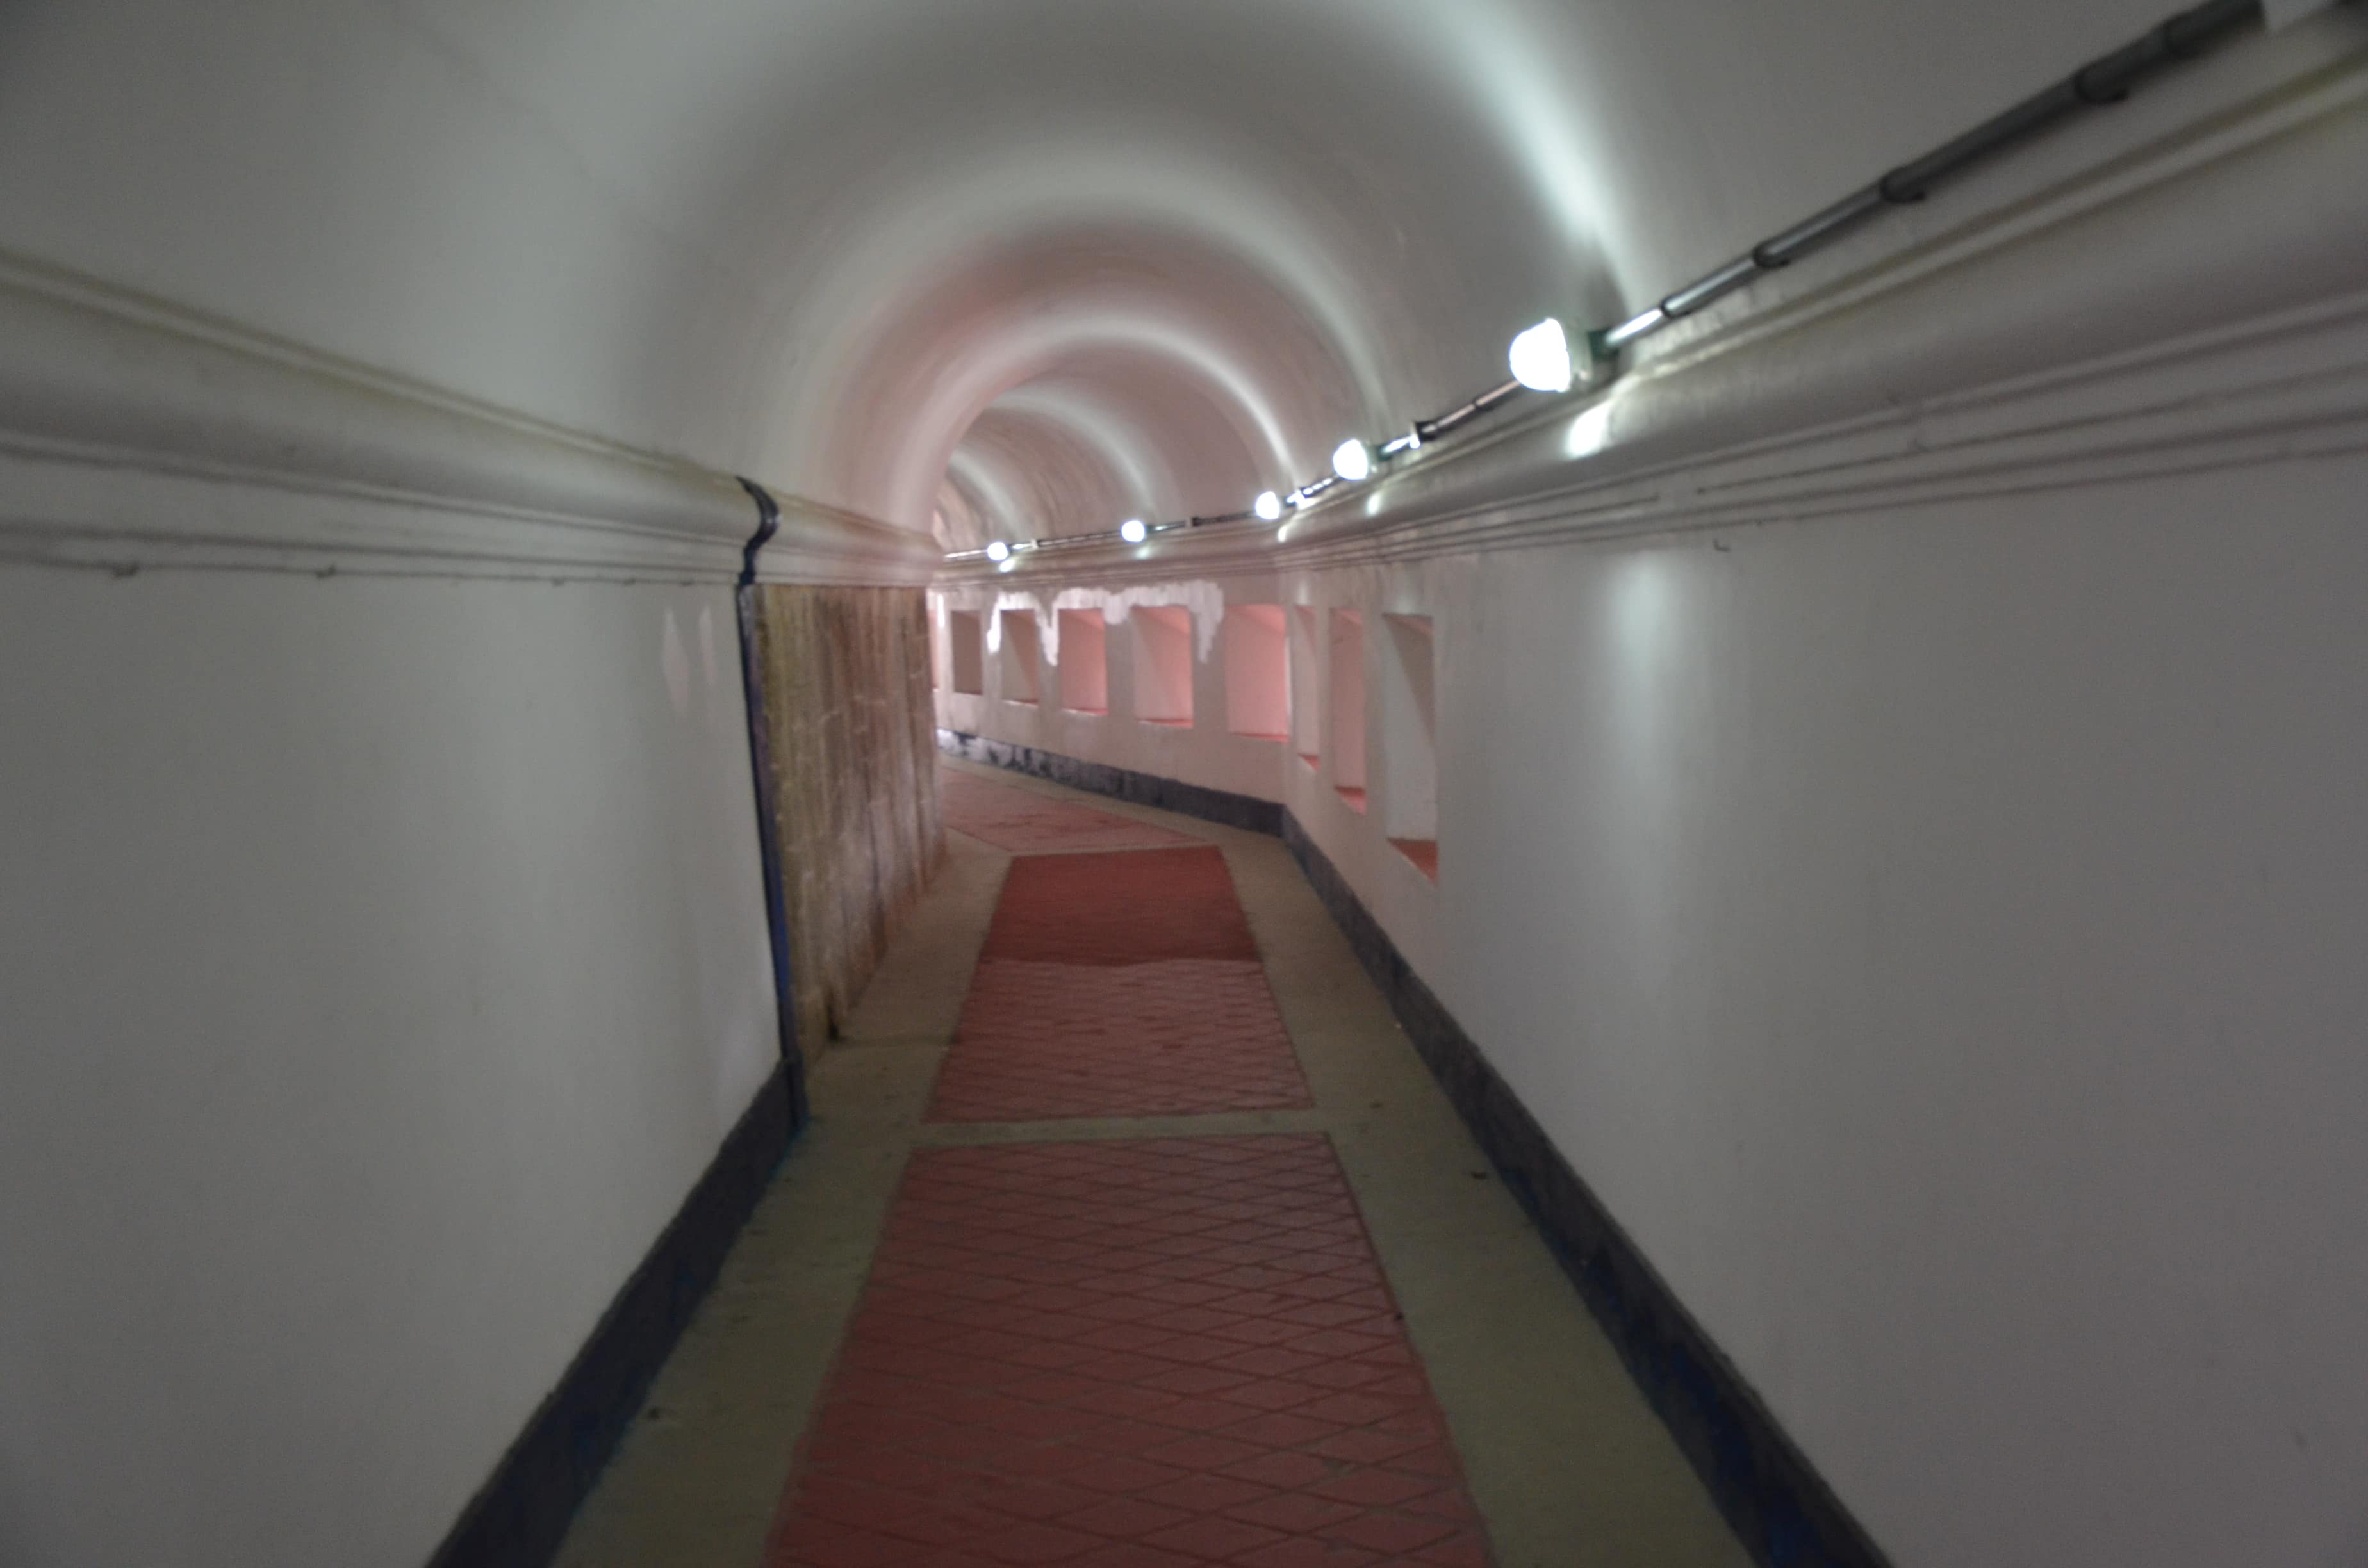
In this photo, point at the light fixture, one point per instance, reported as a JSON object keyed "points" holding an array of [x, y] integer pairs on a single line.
{"points": [[1269, 505], [1133, 532], [1352, 460], [998, 550], [1540, 357]]}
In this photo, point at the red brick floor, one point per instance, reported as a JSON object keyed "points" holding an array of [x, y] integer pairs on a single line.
{"points": [[1039, 1040], [1120, 909], [1029, 823], [1120, 984], [1155, 1353]]}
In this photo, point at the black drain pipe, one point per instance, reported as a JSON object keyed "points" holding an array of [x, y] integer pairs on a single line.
{"points": [[750, 605]]}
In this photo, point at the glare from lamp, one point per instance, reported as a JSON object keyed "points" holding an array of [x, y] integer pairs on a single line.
{"points": [[1133, 532], [1352, 460], [998, 550], [1269, 505], [1540, 357]]}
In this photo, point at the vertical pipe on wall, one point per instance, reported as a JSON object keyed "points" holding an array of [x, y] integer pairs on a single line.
{"points": [[749, 603]]}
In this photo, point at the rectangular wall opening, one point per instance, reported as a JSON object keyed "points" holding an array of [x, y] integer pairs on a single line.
{"points": [[1084, 661], [1163, 663], [1407, 714], [1348, 707], [1023, 654], [966, 650], [1258, 677], [1307, 663]]}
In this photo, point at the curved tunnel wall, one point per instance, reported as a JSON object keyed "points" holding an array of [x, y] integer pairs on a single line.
{"points": [[372, 362]]}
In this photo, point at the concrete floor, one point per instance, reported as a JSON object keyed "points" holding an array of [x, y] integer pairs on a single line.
{"points": [[1566, 1463]]}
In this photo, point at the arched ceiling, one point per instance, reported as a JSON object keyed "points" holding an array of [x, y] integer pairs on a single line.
{"points": [[1006, 269]]}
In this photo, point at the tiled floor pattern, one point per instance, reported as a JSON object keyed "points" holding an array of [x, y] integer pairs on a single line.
{"points": [[1119, 984], [1028, 824], [1044, 1041], [1157, 1354], [1120, 909]]}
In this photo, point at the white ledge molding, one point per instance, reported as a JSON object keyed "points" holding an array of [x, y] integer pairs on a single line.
{"points": [[2197, 303], [135, 437]]}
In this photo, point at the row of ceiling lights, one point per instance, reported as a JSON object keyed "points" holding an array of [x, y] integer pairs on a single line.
{"points": [[1542, 360]]}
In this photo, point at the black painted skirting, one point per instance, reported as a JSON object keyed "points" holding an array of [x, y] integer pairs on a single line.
{"points": [[519, 1517], [1781, 1508], [1220, 806]]}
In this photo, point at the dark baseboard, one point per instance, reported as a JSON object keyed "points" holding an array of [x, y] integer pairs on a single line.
{"points": [[1779, 1506], [1221, 806], [519, 1517]]}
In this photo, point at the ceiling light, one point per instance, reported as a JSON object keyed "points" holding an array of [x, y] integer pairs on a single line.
{"points": [[1352, 460], [998, 550], [1269, 505], [1133, 532], [1540, 357]]}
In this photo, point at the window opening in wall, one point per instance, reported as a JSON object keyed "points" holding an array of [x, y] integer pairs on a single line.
{"points": [[1162, 664], [1348, 707], [966, 650], [1306, 661], [1258, 675], [1084, 655], [1023, 654], [1408, 712]]}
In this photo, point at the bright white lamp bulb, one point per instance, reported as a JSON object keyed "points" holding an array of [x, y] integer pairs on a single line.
{"points": [[1269, 505], [1352, 460], [1540, 357], [1133, 532], [998, 550]]}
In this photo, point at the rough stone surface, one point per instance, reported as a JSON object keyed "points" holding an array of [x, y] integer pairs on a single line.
{"points": [[848, 697]]}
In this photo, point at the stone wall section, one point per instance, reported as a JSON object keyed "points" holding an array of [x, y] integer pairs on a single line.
{"points": [[849, 697]]}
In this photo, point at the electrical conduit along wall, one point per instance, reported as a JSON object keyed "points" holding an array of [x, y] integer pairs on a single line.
{"points": [[853, 716], [1922, 907]]}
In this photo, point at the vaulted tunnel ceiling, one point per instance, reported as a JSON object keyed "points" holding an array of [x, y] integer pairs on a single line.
{"points": [[1004, 269]]}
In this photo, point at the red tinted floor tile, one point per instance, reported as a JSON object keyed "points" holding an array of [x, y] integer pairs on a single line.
{"points": [[1120, 909], [1039, 1040], [1028, 824], [919, 1450]]}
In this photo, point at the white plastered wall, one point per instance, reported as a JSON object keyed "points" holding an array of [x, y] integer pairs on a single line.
{"points": [[384, 961], [1913, 867], [1205, 752]]}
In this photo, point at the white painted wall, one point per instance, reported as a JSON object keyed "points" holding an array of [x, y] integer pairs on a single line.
{"points": [[1257, 671], [1206, 752], [383, 960], [1934, 936], [1900, 806]]}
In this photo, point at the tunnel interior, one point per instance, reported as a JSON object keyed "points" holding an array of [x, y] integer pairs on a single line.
{"points": [[506, 507]]}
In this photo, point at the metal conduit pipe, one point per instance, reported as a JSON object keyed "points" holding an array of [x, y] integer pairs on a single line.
{"points": [[750, 604], [2100, 84]]}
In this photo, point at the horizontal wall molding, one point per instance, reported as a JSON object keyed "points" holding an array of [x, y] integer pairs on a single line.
{"points": [[134, 434], [1779, 1506], [2187, 294], [520, 1516]]}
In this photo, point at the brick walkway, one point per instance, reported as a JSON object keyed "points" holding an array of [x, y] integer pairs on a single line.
{"points": [[1128, 1355], [1124, 1352], [1028, 824], [1123, 985]]}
